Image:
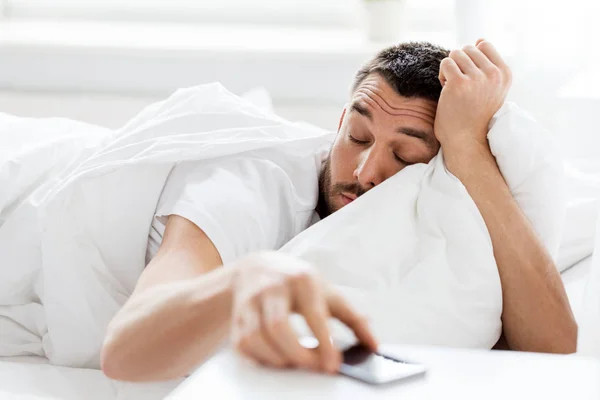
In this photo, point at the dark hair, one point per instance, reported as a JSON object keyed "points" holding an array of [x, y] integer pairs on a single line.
{"points": [[411, 68]]}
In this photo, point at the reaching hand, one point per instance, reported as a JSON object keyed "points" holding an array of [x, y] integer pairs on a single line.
{"points": [[271, 286], [475, 82]]}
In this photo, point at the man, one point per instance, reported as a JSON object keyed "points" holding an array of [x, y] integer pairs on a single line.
{"points": [[408, 102]]}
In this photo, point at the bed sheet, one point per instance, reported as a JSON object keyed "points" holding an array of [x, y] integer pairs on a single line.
{"points": [[29, 378]]}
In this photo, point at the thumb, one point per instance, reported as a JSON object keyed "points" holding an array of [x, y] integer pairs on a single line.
{"points": [[341, 310]]}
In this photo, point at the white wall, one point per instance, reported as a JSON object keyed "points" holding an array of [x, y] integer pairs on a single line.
{"points": [[114, 110], [107, 72]]}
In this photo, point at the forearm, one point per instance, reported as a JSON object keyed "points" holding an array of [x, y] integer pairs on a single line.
{"points": [[167, 330], [536, 312]]}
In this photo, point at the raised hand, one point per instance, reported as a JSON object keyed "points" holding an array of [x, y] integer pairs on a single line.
{"points": [[475, 83]]}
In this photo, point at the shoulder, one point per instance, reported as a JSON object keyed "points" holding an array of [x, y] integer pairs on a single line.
{"points": [[270, 172]]}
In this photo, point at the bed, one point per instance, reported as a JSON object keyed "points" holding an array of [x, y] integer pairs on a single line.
{"points": [[34, 378]]}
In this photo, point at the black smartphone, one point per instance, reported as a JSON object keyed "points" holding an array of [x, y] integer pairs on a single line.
{"points": [[374, 368]]}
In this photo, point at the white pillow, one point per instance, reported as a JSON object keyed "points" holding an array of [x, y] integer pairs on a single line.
{"points": [[588, 341], [583, 202]]}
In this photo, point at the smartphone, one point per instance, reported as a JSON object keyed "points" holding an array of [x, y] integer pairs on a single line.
{"points": [[374, 368]]}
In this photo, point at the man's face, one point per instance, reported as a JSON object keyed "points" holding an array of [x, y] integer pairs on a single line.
{"points": [[380, 133]]}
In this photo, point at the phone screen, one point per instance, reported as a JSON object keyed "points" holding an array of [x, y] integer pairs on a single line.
{"points": [[374, 368]]}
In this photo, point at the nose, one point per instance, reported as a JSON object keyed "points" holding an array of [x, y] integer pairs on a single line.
{"points": [[370, 171]]}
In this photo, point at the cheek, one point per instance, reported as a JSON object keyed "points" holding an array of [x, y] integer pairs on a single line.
{"points": [[343, 161]]}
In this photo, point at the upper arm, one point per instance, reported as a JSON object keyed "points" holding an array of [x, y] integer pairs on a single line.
{"points": [[242, 204], [217, 214], [185, 252]]}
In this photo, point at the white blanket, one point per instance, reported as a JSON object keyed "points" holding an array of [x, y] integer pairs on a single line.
{"points": [[76, 211]]}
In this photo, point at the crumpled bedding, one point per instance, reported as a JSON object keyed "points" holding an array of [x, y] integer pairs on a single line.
{"points": [[413, 253]]}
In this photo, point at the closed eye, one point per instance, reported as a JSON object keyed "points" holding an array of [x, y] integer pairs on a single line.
{"points": [[355, 140], [401, 160]]}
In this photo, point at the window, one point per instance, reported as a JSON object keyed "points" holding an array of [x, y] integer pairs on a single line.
{"points": [[425, 15]]}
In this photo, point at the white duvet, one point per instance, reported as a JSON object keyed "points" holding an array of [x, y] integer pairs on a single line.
{"points": [[77, 201]]}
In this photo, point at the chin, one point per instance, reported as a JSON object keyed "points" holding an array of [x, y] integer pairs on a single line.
{"points": [[336, 206]]}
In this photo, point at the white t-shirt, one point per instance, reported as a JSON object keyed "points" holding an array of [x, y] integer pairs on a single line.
{"points": [[245, 203]]}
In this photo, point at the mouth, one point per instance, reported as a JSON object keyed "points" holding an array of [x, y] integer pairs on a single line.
{"points": [[347, 198]]}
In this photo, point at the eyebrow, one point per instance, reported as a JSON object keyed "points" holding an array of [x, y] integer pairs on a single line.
{"points": [[416, 133], [362, 111], [419, 134]]}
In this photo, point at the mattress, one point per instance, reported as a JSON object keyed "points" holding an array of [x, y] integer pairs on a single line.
{"points": [[33, 378]]}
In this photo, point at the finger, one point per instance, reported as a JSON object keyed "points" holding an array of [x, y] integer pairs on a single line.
{"points": [[330, 357], [283, 337], [464, 62], [280, 335], [245, 333], [479, 41], [275, 307], [246, 321], [491, 53], [257, 348], [341, 310], [313, 307], [449, 70], [478, 58]]}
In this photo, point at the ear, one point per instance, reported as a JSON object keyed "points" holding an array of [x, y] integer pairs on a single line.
{"points": [[342, 118]]}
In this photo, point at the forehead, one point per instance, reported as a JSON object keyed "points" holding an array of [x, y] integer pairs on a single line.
{"points": [[376, 94]]}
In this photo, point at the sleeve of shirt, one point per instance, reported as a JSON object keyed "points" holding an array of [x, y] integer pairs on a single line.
{"points": [[243, 204]]}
